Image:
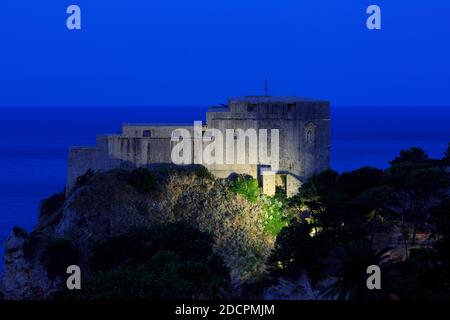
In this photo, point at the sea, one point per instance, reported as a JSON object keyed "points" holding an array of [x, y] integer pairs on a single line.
{"points": [[34, 142]]}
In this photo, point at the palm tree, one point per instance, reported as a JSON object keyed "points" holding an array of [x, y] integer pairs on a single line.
{"points": [[349, 265]]}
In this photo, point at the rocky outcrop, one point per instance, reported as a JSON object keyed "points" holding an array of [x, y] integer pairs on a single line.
{"points": [[108, 205], [24, 277]]}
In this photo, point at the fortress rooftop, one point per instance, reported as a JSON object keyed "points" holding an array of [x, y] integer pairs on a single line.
{"points": [[144, 124], [271, 99]]}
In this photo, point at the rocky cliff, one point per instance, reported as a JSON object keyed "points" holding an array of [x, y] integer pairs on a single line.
{"points": [[106, 205]]}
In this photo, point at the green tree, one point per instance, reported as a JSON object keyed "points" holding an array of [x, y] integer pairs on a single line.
{"points": [[417, 184], [296, 251], [377, 204], [349, 263], [356, 182], [342, 204], [58, 254], [446, 159], [171, 261], [440, 217], [426, 273], [412, 155], [246, 186], [317, 195], [164, 276]]}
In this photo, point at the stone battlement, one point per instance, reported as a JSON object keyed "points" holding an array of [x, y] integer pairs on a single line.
{"points": [[304, 141]]}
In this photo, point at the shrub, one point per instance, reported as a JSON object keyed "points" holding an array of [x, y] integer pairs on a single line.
{"points": [[412, 155], [58, 255], [52, 204], [348, 264], [248, 187], [171, 261], [164, 276], [296, 250], [141, 244], [203, 173], [357, 181], [274, 218], [274, 215], [84, 179], [143, 180], [446, 159]]}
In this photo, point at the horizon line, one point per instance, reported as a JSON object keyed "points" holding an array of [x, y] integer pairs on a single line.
{"points": [[208, 106]]}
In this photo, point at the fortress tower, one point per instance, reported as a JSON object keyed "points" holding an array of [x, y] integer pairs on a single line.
{"points": [[304, 142], [304, 136]]}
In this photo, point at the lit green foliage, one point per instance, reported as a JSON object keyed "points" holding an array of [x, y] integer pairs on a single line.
{"points": [[210, 205], [274, 215], [274, 218], [248, 187]]}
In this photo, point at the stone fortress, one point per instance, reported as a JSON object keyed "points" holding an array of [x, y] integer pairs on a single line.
{"points": [[304, 142]]}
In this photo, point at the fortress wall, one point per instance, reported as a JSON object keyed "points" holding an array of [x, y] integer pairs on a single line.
{"points": [[317, 152], [291, 119], [157, 131], [293, 184], [304, 128], [115, 151], [142, 151], [80, 160], [290, 143], [299, 157], [322, 150], [224, 171]]}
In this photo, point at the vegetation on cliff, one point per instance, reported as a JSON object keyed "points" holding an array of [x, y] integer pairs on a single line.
{"points": [[112, 204], [276, 209], [171, 261], [181, 233], [371, 216]]}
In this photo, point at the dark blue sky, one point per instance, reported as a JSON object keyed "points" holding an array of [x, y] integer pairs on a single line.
{"points": [[198, 52]]}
